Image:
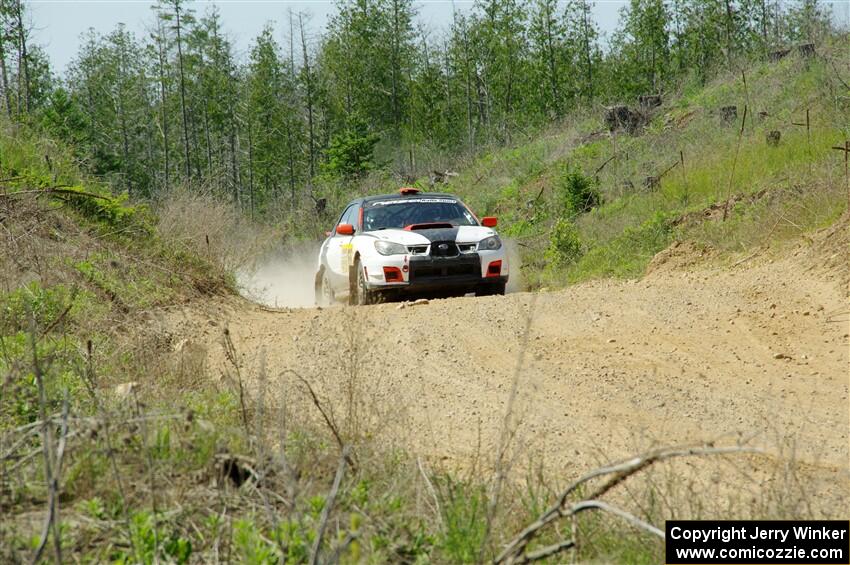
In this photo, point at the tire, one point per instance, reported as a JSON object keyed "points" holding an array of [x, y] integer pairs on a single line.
{"points": [[324, 291], [359, 294], [497, 289]]}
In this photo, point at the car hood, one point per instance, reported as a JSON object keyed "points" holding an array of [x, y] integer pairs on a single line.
{"points": [[459, 234]]}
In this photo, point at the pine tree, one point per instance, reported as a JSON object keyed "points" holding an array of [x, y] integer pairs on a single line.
{"points": [[178, 18]]}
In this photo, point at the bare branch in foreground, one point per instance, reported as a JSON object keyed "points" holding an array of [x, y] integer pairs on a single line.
{"points": [[515, 550], [315, 398], [51, 522], [432, 491], [329, 502], [508, 431]]}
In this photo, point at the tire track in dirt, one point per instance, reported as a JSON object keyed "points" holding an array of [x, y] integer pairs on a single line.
{"points": [[684, 355]]}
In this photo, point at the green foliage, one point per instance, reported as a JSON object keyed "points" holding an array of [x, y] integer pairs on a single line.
{"points": [[161, 448], [627, 254], [351, 152], [56, 359], [33, 302], [565, 245], [152, 539], [577, 193], [113, 211], [464, 508], [252, 547], [183, 110], [128, 285]]}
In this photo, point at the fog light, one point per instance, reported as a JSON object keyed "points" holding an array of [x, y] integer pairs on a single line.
{"points": [[494, 269], [393, 274]]}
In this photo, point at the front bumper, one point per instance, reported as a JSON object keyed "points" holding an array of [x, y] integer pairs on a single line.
{"points": [[426, 274]]}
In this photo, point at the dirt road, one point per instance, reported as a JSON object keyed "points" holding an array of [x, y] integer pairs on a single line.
{"points": [[697, 350]]}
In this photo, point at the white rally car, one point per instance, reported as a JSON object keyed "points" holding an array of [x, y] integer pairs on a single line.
{"points": [[407, 244]]}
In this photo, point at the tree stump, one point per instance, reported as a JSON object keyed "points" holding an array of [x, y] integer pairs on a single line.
{"points": [[651, 182], [773, 138], [729, 114], [778, 55], [806, 50], [623, 117], [649, 101]]}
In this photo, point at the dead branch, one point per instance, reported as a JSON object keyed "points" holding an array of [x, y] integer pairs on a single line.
{"points": [[342, 546], [230, 353], [508, 430], [539, 194], [60, 453], [747, 258], [620, 471], [431, 490], [628, 517], [838, 75], [63, 435], [329, 502], [61, 316], [603, 165], [554, 549], [668, 169], [546, 552], [734, 164], [327, 419], [52, 519], [151, 479], [274, 310], [59, 189]]}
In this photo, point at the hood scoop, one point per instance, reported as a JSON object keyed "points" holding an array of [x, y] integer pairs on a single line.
{"points": [[432, 226]]}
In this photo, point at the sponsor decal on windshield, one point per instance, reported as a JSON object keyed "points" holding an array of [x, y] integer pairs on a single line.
{"points": [[412, 200]]}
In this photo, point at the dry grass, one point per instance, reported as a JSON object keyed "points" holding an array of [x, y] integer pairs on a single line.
{"points": [[207, 226], [244, 468]]}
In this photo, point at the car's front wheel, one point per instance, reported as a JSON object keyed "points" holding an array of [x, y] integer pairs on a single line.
{"points": [[324, 291], [360, 294]]}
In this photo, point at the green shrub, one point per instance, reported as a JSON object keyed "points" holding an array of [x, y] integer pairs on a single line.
{"points": [[251, 546], [576, 191], [565, 245], [32, 300], [628, 254], [352, 151], [464, 515], [151, 541], [652, 235]]}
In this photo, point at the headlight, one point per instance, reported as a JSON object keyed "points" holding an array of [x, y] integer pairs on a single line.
{"points": [[389, 248], [490, 243]]}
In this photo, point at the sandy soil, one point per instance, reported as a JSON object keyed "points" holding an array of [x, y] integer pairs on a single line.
{"points": [[698, 350]]}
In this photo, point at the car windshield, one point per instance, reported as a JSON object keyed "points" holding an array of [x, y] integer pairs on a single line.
{"points": [[399, 213]]}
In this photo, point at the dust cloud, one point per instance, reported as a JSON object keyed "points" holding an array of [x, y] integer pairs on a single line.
{"points": [[283, 278], [515, 281]]}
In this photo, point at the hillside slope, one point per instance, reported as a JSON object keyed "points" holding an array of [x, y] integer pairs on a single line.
{"points": [[694, 352], [668, 179], [147, 413]]}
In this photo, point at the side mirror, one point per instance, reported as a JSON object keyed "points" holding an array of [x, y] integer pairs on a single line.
{"points": [[345, 229], [489, 221]]}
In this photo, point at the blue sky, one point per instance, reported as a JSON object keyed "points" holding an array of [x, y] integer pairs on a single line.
{"points": [[59, 23]]}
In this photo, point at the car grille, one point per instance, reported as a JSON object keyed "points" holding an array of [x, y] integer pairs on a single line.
{"points": [[467, 247], [444, 249], [438, 271]]}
